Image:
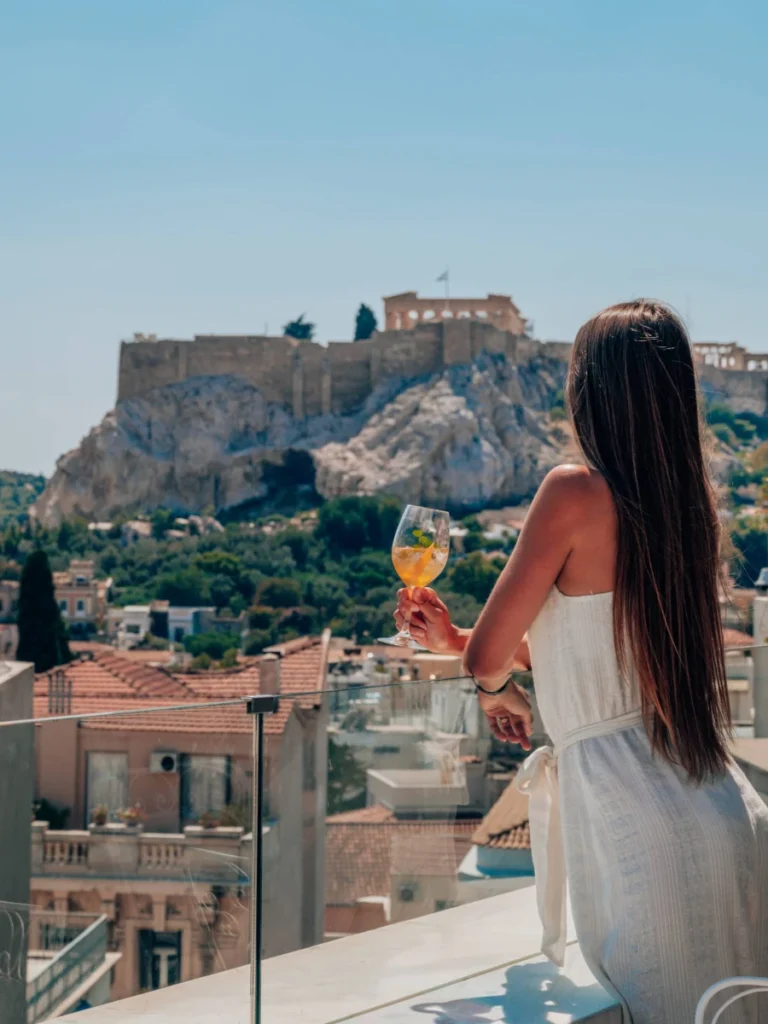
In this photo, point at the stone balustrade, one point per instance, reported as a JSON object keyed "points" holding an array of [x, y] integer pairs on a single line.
{"points": [[120, 851]]}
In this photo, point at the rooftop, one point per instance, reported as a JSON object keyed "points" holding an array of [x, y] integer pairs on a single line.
{"points": [[361, 848], [104, 679], [505, 826]]}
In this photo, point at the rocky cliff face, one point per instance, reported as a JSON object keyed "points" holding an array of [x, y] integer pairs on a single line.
{"points": [[469, 436]]}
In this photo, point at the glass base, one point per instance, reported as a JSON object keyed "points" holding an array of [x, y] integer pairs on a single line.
{"points": [[400, 640]]}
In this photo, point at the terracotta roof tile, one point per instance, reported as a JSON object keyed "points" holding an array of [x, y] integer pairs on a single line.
{"points": [[505, 826], [375, 813], [107, 681]]}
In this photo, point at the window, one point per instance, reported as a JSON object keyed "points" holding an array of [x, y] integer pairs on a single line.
{"points": [[386, 750], [107, 782], [134, 628], [159, 959], [408, 891], [81, 607], [205, 785], [63, 608]]}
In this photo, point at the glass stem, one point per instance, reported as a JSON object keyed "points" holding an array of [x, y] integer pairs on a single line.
{"points": [[405, 632]]}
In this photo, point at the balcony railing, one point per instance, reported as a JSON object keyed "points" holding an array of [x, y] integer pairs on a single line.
{"points": [[68, 969], [200, 854]]}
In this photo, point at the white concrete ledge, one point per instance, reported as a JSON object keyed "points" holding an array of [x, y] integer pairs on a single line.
{"points": [[460, 964]]}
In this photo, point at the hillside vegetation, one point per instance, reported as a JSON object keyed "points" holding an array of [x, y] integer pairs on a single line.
{"points": [[17, 492]]}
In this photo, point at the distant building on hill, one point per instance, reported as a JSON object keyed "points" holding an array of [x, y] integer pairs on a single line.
{"points": [[403, 312], [82, 599]]}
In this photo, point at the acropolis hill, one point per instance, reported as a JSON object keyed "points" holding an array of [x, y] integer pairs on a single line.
{"points": [[452, 411]]}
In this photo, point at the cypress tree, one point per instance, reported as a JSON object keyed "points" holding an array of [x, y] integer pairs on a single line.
{"points": [[365, 322], [42, 634]]}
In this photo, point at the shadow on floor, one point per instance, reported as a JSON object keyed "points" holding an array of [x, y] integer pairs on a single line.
{"points": [[531, 993]]}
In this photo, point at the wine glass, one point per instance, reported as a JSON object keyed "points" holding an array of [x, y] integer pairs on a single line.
{"points": [[419, 555]]}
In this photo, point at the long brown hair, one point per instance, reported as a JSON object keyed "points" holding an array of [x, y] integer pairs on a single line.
{"points": [[634, 405]]}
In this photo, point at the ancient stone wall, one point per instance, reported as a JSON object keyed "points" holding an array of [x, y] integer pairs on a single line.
{"points": [[311, 378], [315, 379]]}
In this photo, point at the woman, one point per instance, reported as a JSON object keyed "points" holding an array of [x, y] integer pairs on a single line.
{"points": [[613, 586]]}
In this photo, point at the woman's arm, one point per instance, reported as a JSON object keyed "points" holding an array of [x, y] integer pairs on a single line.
{"points": [[540, 553], [430, 625]]}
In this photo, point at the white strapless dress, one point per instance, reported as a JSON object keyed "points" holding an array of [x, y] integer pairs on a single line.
{"points": [[668, 881]]}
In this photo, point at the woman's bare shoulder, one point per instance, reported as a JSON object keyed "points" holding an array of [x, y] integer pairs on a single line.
{"points": [[578, 483]]}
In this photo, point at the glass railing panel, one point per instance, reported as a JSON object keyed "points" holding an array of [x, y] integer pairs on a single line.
{"points": [[410, 810]]}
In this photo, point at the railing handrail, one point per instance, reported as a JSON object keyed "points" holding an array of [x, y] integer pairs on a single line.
{"points": [[82, 952]]}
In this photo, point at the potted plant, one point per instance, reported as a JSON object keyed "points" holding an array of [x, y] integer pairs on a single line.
{"points": [[208, 820], [100, 815], [132, 817]]}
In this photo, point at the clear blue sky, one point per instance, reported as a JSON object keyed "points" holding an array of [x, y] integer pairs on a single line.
{"points": [[180, 167]]}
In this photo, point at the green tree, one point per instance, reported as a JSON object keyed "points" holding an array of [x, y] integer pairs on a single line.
{"points": [[222, 590], [298, 543], [474, 575], [751, 543], [229, 659], [162, 521], [260, 617], [299, 328], [279, 593], [185, 587], [257, 640], [365, 322], [215, 645], [326, 593], [42, 635], [348, 525], [219, 563], [346, 779]]}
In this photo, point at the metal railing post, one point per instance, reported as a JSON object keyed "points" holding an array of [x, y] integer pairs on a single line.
{"points": [[258, 707]]}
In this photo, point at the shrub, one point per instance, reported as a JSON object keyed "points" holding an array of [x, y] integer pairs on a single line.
{"points": [[214, 645], [257, 640], [279, 593]]}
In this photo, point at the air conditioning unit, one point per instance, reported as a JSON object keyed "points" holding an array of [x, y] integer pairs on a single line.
{"points": [[164, 762]]}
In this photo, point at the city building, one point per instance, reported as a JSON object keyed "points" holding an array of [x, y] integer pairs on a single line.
{"points": [[81, 597], [129, 625], [406, 310], [158, 805], [728, 356]]}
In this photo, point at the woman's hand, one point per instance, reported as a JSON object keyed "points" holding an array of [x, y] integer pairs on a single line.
{"points": [[429, 621], [509, 714]]}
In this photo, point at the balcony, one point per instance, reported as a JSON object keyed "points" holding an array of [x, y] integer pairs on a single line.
{"points": [[212, 855], [473, 963]]}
